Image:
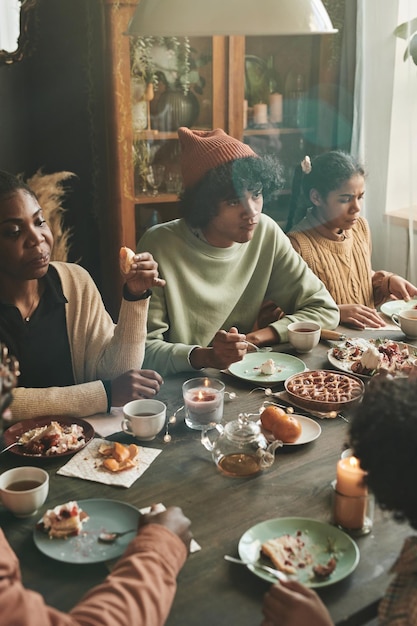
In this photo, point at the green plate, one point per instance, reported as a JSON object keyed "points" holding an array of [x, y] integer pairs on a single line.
{"points": [[109, 515], [395, 306], [248, 368], [318, 536]]}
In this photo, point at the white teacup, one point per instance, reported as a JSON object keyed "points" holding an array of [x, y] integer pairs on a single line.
{"points": [[24, 489], [407, 321], [304, 336], [144, 419]]}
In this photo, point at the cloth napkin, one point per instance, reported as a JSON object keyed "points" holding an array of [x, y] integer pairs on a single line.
{"points": [[86, 464], [106, 424]]}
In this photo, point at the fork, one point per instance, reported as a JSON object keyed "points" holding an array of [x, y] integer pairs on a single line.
{"points": [[257, 348], [16, 443], [274, 572]]}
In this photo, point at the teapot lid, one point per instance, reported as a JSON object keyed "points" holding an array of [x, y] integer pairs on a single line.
{"points": [[242, 430]]}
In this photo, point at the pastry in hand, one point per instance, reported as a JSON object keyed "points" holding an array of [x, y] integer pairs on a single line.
{"points": [[126, 256]]}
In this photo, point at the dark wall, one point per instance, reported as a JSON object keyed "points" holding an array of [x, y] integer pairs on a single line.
{"points": [[51, 114]]}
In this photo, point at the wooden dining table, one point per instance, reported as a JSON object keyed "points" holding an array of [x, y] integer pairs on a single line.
{"points": [[211, 590]]}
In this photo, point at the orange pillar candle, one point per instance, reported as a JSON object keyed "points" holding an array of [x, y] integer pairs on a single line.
{"points": [[349, 477], [351, 494]]}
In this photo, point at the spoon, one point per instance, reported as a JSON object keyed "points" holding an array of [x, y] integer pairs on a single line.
{"points": [[106, 537], [16, 443], [270, 570], [257, 348]]}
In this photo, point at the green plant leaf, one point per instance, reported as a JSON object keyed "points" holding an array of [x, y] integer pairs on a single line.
{"points": [[406, 29]]}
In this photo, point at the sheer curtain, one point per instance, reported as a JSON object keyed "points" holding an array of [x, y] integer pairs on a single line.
{"points": [[385, 132], [9, 24]]}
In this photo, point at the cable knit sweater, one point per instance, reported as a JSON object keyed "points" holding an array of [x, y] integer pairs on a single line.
{"points": [[210, 288], [138, 592], [343, 266], [100, 350]]}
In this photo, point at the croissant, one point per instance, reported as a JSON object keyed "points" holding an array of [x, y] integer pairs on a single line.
{"points": [[126, 256]]}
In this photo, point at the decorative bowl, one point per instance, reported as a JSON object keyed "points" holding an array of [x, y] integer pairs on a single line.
{"points": [[324, 390]]}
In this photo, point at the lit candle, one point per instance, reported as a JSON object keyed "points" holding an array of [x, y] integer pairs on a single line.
{"points": [[351, 494], [349, 478], [275, 108], [260, 114], [203, 405]]}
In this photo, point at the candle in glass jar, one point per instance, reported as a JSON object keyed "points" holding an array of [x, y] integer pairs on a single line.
{"points": [[203, 401]]}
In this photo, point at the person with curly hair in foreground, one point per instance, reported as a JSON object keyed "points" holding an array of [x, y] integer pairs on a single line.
{"points": [[389, 406]]}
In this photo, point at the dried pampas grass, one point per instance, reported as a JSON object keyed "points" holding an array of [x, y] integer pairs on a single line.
{"points": [[50, 193]]}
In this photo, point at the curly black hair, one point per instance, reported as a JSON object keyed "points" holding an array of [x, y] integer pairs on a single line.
{"points": [[9, 184], [200, 204], [328, 172], [383, 435]]}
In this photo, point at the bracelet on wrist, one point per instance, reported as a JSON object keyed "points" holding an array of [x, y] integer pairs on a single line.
{"points": [[131, 298]]}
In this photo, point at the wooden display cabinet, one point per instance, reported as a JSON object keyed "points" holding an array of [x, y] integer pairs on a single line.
{"points": [[234, 68]]}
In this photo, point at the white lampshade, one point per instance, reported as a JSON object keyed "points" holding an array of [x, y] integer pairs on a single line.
{"points": [[229, 17]]}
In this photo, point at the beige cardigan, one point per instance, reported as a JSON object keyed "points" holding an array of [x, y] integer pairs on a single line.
{"points": [[100, 350]]}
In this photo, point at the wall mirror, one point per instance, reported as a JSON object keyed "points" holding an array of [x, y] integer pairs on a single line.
{"points": [[16, 24]]}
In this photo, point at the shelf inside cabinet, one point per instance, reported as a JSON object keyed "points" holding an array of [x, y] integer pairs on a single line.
{"points": [[251, 132], [158, 199]]}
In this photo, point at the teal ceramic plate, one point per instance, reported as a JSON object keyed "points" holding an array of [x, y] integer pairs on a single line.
{"points": [[323, 541], [249, 367], [395, 306], [109, 515]]}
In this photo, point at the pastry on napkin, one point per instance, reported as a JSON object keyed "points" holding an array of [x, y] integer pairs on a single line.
{"points": [[88, 464]]}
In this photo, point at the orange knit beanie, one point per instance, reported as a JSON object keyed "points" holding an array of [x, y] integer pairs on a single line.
{"points": [[203, 150]]}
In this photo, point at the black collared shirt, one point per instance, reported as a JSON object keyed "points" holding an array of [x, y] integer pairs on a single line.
{"points": [[41, 345]]}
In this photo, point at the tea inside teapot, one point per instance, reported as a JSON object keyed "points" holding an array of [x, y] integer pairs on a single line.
{"points": [[240, 449]]}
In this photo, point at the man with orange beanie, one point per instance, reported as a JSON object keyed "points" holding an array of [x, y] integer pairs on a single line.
{"points": [[223, 259]]}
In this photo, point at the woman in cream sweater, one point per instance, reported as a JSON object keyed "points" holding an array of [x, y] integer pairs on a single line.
{"points": [[335, 240], [73, 359]]}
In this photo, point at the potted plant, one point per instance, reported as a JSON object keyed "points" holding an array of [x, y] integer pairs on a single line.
{"points": [[167, 62]]}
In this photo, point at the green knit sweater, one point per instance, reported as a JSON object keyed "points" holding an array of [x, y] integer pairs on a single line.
{"points": [[100, 350], [210, 288]]}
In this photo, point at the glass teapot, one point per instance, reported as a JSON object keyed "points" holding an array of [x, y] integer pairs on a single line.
{"points": [[240, 448]]}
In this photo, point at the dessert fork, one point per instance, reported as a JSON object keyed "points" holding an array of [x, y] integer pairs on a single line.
{"points": [[274, 572]]}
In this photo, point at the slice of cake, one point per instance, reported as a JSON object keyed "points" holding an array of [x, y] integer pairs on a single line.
{"points": [[65, 520]]}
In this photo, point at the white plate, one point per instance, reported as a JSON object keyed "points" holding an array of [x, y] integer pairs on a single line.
{"points": [[395, 306], [346, 366], [319, 536], [310, 431], [248, 368], [109, 515]]}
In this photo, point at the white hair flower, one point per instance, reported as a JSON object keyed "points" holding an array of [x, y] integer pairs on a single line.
{"points": [[306, 165]]}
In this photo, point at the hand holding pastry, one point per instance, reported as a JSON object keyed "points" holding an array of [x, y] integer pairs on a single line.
{"points": [[140, 271]]}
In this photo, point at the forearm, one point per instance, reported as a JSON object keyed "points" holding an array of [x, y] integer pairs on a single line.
{"points": [[167, 358], [75, 400], [141, 587]]}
